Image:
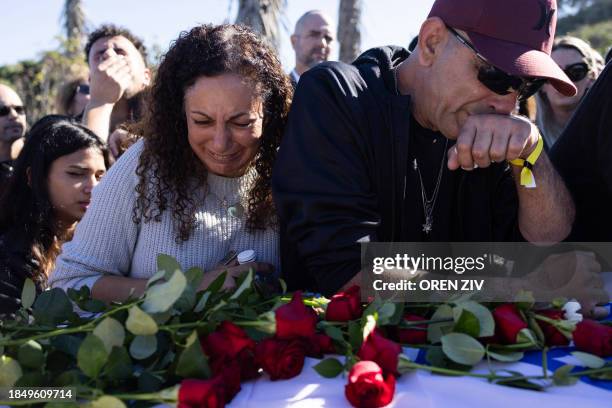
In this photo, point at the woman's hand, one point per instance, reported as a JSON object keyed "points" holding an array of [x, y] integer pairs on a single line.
{"points": [[233, 270]]}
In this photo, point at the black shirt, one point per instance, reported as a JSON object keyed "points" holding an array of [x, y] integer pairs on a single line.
{"points": [[583, 157], [344, 174]]}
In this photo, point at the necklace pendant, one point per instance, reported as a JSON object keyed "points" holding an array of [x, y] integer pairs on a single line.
{"points": [[427, 227]]}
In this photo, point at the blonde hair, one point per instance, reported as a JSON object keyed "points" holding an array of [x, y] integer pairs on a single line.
{"points": [[551, 130]]}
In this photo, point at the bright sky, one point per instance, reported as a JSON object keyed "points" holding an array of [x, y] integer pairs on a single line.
{"points": [[28, 27]]}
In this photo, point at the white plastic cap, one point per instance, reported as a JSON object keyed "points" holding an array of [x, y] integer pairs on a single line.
{"points": [[246, 256]]}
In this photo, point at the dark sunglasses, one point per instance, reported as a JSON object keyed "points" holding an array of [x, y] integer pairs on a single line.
{"points": [[83, 89], [5, 110], [499, 81], [577, 72]]}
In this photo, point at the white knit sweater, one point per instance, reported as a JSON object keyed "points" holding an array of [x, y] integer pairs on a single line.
{"points": [[107, 241]]}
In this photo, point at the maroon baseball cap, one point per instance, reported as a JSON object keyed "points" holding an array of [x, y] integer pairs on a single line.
{"points": [[514, 35]]}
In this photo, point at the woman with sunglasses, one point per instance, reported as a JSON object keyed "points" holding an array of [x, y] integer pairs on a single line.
{"points": [[47, 195], [582, 64]]}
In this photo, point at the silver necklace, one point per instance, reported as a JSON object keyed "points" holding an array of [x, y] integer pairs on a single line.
{"points": [[429, 203]]}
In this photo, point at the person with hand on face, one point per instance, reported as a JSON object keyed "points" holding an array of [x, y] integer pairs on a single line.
{"points": [[312, 42], [582, 64], [51, 188], [197, 185], [412, 147], [12, 129], [118, 76]]}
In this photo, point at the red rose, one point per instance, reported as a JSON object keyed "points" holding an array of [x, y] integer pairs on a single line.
{"points": [[230, 377], [382, 351], [227, 344], [412, 336], [593, 337], [344, 306], [281, 359], [508, 323], [201, 394], [552, 335], [295, 320], [367, 388], [319, 344]]}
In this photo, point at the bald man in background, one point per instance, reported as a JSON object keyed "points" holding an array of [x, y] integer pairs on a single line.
{"points": [[12, 130], [311, 41]]}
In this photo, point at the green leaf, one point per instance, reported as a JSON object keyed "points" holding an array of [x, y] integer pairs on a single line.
{"points": [[589, 360], [334, 332], [484, 316], [604, 375], [194, 277], [436, 357], [10, 371], [168, 264], [149, 382], [68, 378], [106, 401], [140, 323], [506, 356], [159, 275], [119, 365], [355, 338], [520, 383], [28, 294], [33, 379], [385, 313], [329, 368], [161, 297], [31, 355], [561, 376], [187, 300], [91, 356], [246, 284], [52, 307], [526, 336], [143, 347], [466, 322], [93, 305], [111, 332], [217, 284], [524, 300], [436, 330], [283, 285], [67, 344], [202, 302], [192, 362], [462, 348]]}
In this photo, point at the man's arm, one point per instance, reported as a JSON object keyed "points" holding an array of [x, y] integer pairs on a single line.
{"points": [[108, 82], [546, 212], [321, 184]]}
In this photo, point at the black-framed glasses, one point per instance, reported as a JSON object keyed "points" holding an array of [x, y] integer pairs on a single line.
{"points": [[499, 81], [83, 89], [576, 72], [6, 109]]}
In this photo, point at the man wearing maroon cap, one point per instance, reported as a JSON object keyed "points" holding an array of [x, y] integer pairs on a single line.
{"points": [[416, 147]]}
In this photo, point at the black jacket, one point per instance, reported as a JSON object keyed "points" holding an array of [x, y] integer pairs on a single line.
{"points": [[16, 265], [341, 176], [583, 157]]}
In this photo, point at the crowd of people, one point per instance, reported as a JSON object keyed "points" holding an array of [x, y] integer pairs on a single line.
{"points": [[220, 151]]}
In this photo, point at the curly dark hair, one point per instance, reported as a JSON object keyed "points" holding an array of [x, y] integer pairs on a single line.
{"points": [[111, 30], [168, 165]]}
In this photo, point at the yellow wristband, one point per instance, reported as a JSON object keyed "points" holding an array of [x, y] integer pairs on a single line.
{"points": [[527, 179]]}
